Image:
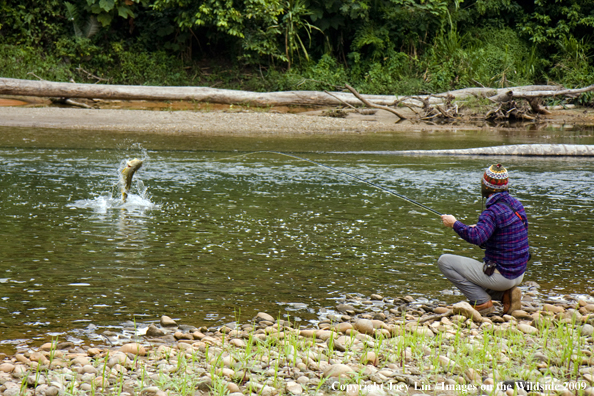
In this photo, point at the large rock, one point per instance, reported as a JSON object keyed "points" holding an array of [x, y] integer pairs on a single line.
{"points": [[264, 316], [345, 308], [527, 329], [378, 324], [465, 309], [364, 326], [154, 331], [166, 321], [133, 348], [370, 358]]}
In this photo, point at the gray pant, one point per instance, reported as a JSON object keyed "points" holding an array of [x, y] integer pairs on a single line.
{"points": [[467, 275]]}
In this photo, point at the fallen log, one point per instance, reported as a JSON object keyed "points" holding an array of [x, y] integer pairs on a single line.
{"points": [[534, 98], [536, 150], [10, 86]]}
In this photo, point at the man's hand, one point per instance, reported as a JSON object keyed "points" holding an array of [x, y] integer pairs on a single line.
{"points": [[448, 220]]}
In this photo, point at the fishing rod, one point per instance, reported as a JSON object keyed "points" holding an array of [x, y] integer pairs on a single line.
{"points": [[394, 193]]}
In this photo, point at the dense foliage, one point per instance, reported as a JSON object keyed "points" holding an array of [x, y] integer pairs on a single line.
{"points": [[380, 46]]}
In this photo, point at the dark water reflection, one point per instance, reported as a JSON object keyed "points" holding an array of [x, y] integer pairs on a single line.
{"points": [[219, 238]]}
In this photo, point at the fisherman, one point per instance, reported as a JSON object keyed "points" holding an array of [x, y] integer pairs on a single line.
{"points": [[502, 230]]}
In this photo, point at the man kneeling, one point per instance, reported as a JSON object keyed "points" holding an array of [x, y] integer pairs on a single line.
{"points": [[502, 230]]}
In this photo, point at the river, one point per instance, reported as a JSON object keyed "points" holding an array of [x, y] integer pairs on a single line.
{"points": [[210, 236]]}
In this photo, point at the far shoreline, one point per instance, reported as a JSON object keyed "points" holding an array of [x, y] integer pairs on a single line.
{"points": [[214, 120]]}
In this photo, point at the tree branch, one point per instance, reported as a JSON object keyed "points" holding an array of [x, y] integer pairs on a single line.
{"points": [[369, 104]]}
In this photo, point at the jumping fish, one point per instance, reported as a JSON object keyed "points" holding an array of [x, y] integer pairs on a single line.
{"points": [[127, 174]]}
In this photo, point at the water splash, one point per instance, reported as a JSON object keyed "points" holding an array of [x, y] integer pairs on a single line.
{"points": [[104, 203]]}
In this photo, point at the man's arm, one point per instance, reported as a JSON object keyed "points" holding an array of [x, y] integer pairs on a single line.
{"points": [[475, 234]]}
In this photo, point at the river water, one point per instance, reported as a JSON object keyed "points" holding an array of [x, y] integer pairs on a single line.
{"points": [[209, 236]]}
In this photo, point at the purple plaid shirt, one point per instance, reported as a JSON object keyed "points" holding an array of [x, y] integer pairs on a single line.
{"points": [[502, 234]]}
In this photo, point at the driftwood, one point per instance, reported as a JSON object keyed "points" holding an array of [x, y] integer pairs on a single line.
{"points": [[70, 102], [373, 105], [509, 110], [10, 86], [534, 98], [445, 111], [554, 150]]}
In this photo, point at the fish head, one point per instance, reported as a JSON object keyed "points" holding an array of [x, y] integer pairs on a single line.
{"points": [[133, 165]]}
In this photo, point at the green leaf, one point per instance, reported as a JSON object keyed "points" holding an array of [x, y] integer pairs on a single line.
{"points": [[125, 12], [104, 19], [107, 5], [96, 9]]}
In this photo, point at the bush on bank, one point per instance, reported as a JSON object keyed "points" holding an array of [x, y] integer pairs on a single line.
{"points": [[380, 47]]}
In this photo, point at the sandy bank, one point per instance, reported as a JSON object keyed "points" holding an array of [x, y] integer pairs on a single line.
{"points": [[243, 121]]}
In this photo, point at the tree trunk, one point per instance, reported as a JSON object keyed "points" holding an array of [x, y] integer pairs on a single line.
{"points": [[9, 86]]}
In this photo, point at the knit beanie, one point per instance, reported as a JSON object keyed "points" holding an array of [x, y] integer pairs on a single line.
{"points": [[495, 179]]}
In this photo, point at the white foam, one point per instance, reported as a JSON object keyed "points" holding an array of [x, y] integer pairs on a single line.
{"points": [[104, 203]]}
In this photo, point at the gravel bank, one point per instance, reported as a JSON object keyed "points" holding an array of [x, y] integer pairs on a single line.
{"points": [[373, 346]]}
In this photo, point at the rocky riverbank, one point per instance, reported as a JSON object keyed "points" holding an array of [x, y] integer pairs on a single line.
{"points": [[373, 346]]}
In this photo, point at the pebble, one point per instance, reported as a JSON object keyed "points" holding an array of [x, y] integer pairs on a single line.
{"points": [[552, 308], [19, 371], [324, 335], [370, 358], [183, 336], [447, 363], [93, 351], [521, 315], [88, 369], [303, 380], [236, 342], [48, 346], [294, 388], [338, 370], [342, 350], [587, 330]]}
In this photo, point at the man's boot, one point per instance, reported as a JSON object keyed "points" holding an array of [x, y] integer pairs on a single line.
{"points": [[485, 308], [512, 300]]}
